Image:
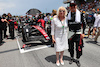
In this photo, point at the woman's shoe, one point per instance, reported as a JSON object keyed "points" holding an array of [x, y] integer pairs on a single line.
{"points": [[58, 64], [62, 63]]}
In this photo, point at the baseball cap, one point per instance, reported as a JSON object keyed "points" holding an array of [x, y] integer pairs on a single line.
{"points": [[72, 3]]}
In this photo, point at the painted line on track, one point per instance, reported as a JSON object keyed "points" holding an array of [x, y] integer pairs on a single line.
{"points": [[21, 50], [25, 51]]}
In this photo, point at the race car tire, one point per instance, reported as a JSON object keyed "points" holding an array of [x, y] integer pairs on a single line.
{"points": [[25, 35]]}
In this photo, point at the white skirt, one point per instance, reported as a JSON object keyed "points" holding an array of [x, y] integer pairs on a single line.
{"points": [[61, 42]]}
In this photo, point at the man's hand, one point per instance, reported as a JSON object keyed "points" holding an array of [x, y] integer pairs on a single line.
{"points": [[6, 21], [82, 36], [2, 20]]}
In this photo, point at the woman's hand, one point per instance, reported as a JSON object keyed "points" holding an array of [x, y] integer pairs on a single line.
{"points": [[53, 40]]}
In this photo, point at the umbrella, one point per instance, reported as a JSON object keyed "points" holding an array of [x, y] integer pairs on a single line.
{"points": [[33, 11], [67, 1]]}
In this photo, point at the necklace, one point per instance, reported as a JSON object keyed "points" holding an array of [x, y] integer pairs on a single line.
{"points": [[62, 25]]}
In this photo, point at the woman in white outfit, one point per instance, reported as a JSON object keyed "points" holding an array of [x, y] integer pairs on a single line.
{"points": [[59, 34]]}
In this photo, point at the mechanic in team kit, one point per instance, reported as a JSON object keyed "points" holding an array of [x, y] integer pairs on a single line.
{"points": [[1, 28], [5, 26], [11, 26]]}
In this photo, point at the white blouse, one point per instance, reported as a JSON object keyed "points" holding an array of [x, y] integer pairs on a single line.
{"points": [[56, 26]]}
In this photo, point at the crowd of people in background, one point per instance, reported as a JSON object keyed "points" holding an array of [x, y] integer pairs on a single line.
{"points": [[90, 12], [87, 6]]}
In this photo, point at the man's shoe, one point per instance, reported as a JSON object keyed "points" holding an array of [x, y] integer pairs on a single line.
{"points": [[71, 61], [95, 42], [78, 63]]}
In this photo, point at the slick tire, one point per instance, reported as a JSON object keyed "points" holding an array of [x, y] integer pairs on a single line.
{"points": [[24, 35]]}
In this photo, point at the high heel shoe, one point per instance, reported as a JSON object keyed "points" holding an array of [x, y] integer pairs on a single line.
{"points": [[62, 63], [58, 64]]}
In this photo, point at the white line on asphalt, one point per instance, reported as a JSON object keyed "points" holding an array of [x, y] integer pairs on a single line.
{"points": [[19, 45], [25, 51]]}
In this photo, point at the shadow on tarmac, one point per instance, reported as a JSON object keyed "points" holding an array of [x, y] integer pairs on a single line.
{"points": [[9, 50], [52, 58], [93, 42]]}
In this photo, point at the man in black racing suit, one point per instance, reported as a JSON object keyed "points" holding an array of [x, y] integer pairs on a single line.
{"points": [[74, 23]]}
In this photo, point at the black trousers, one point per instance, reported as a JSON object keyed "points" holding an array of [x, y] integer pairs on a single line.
{"points": [[11, 31], [0, 36], [84, 27], [5, 30], [75, 40]]}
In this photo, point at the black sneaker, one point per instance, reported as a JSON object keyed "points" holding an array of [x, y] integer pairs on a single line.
{"points": [[95, 42], [71, 61], [1, 44], [78, 64], [52, 45]]}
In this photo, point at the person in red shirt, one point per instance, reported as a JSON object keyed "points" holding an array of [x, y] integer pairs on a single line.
{"points": [[42, 22]]}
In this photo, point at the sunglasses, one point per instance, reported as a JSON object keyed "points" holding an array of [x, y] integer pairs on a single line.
{"points": [[61, 10]]}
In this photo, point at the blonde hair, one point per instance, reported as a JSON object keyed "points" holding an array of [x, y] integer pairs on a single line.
{"points": [[61, 8]]}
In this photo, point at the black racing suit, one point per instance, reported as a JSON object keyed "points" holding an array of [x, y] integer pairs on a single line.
{"points": [[75, 27]]}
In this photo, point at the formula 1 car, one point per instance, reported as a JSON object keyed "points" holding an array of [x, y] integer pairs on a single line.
{"points": [[34, 32]]}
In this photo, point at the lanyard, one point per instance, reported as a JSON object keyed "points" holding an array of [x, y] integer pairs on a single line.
{"points": [[63, 25]]}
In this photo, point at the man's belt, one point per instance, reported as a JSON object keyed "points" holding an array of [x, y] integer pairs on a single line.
{"points": [[74, 22]]}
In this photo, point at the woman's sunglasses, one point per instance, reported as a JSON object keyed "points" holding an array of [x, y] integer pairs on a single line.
{"points": [[61, 10]]}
